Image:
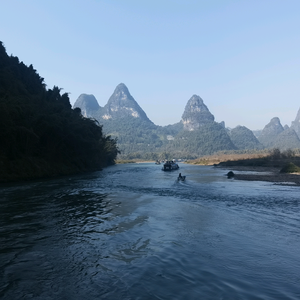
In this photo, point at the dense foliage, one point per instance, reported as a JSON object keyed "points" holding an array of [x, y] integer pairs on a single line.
{"points": [[290, 168], [286, 139], [138, 139], [243, 138], [41, 135], [208, 139]]}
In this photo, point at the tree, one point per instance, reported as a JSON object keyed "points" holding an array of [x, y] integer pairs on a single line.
{"points": [[40, 134]]}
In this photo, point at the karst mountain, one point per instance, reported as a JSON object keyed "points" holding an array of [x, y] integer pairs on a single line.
{"points": [[196, 133]]}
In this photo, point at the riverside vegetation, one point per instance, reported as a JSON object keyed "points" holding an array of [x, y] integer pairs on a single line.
{"points": [[287, 161], [275, 166], [41, 135]]}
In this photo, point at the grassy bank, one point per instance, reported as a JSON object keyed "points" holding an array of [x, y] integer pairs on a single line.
{"points": [[133, 161], [272, 159], [222, 158]]}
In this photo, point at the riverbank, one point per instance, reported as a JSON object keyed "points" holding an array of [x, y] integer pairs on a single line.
{"points": [[279, 168], [269, 174]]}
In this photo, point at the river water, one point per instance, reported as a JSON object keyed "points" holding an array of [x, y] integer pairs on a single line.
{"points": [[133, 232]]}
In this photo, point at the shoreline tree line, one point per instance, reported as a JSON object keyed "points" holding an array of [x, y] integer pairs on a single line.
{"points": [[40, 134]]}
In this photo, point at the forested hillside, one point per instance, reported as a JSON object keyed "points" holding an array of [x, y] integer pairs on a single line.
{"points": [[208, 139], [40, 134], [244, 139], [196, 134]]}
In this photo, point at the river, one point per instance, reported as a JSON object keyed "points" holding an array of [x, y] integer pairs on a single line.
{"points": [[133, 232]]}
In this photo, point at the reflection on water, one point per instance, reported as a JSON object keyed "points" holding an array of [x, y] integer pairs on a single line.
{"points": [[134, 232]]}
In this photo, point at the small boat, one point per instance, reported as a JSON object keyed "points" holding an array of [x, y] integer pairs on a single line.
{"points": [[157, 162], [181, 178], [170, 166]]}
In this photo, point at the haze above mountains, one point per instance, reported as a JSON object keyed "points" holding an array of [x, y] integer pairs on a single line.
{"points": [[195, 134]]}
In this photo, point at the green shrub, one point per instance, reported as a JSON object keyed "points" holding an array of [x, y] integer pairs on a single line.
{"points": [[290, 168]]}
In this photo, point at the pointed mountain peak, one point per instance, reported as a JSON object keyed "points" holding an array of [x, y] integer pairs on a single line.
{"points": [[270, 132], [275, 120], [121, 96], [121, 87], [196, 114], [273, 127], [87, 103], [122, 104], [296, 124], [297, 119], [196, 100]]}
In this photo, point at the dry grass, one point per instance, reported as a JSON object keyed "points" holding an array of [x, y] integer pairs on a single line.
{"points": [[124, 161], [262, 160], [260, 163], [218, 158]]}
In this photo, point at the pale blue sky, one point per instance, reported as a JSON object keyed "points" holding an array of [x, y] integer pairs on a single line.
{"points": [[241, 57]]}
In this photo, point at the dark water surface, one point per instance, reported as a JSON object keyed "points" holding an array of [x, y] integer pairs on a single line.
{"points": [[134, 232]]}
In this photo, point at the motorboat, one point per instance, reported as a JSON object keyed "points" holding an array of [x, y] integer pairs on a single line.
{"points": [[170, 166]]}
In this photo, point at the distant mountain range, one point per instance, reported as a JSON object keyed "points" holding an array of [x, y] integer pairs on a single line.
{"points": [[196, 134]]}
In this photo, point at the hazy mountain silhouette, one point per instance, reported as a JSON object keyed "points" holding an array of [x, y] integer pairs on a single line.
{"points": [[275, 136]]}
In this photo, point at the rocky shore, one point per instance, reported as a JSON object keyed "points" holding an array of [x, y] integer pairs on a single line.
{"points": [[269, 174]]}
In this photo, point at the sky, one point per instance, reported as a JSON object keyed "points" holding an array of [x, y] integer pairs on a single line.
{"points": [[241, 57]]}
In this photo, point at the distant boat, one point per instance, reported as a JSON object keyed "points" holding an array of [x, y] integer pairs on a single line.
{"points": [[170, 166], [157, 162]]}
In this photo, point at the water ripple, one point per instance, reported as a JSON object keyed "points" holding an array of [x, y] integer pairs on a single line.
{"points": [[134, 232]]}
